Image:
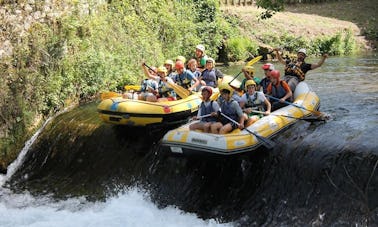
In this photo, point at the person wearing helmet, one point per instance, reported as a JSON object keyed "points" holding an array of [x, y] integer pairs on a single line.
{"points": [[268, 67], [279, 89], [164, 91], [192, 66], [181, 58], [200, 56], [169, 65], [248, 72], [184, 77], [295, 70], [208, 76], [207, 112], [253, 100], [229, 108], [147, 88]]}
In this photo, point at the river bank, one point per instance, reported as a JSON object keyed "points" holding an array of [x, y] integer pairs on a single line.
{"points": [[312, 21]]}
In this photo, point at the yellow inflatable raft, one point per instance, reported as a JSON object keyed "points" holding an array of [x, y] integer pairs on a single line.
{"points": [[133, 112], [184, 141]]}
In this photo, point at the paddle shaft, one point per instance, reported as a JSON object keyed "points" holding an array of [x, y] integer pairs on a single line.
{"points": [[293, 104], [267, 142], [261, 112]]}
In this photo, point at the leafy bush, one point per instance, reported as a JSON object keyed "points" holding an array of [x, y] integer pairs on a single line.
{"points": [[240, 48]]}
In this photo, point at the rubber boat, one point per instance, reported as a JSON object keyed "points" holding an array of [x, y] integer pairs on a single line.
{"points": [[184, 141], [133, 112]]}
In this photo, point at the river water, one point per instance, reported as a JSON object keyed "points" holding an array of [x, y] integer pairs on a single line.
{"points": [[78, 171]]}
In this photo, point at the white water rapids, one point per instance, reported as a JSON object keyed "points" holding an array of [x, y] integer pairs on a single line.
{"points": [[131, 208]]}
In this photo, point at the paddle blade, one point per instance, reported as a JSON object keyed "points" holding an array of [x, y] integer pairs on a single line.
{"points": [[109, 94], [182, 92], [253, 61], [268, 143]]}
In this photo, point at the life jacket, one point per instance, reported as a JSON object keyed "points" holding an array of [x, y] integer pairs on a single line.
{"points": [[207, 110], [264, 83], [186, 82], [147, 83], [279, 91], [164, 90], [228, 111], [253, 102], [293, 69], [208, 80]]}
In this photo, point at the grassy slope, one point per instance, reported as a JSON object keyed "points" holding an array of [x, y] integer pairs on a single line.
{"points": [[308, 20]]}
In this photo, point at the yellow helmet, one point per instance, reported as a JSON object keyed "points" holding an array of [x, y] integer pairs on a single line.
{"points": [[162, 69], [181, 58], [249, 69], [169, 62], [249, 83], [225, 86]]}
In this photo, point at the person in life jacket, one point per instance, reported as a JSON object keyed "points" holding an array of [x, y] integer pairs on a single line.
{"points": [[279, 89], [148, 87], [253, 100], [295, 70], [248, 72], [185, 77], [208, 76], [231, 109], [268, 67], [200, 56], [164, 92], [207, 112], [170, 68], [192, 66]]}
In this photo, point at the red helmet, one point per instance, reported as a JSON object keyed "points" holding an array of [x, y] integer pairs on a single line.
{"points": [[275, 74], [208, 89], [179, 65]]}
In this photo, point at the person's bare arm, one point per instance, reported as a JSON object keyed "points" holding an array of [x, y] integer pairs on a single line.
{"points": [[279, 57], [320, 63]]}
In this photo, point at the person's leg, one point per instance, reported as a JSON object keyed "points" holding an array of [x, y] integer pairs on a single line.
{"points": [[252, 119], [196, 126], [292, 81], [206, 127], [215, 127], [226, 128]]}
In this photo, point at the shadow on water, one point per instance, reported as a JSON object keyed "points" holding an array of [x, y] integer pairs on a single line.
{"points": [[317, 175]]}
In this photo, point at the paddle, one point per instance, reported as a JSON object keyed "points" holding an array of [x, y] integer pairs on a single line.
{"points": [[251, 62], [267, 142], [315, 112], [109, 95], [182, 92], [309, 119]]}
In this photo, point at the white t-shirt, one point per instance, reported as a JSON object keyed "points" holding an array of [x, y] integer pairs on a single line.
{"points": [[260, 96]]}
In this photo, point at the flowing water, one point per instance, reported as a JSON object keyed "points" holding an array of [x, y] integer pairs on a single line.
{"points": [[78, 171]]}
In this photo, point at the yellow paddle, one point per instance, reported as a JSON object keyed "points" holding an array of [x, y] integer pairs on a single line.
{"points": [[109, 94], [250, 63]]}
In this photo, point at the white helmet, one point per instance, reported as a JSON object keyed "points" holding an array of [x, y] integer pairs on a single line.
{"points": [[303, 50], [200, 47]]}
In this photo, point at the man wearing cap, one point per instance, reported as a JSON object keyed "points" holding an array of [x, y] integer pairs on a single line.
{"points": [[268, 67], [296, 70]]}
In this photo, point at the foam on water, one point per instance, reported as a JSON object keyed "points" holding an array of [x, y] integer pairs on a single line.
{"points": [[132, 208]]}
